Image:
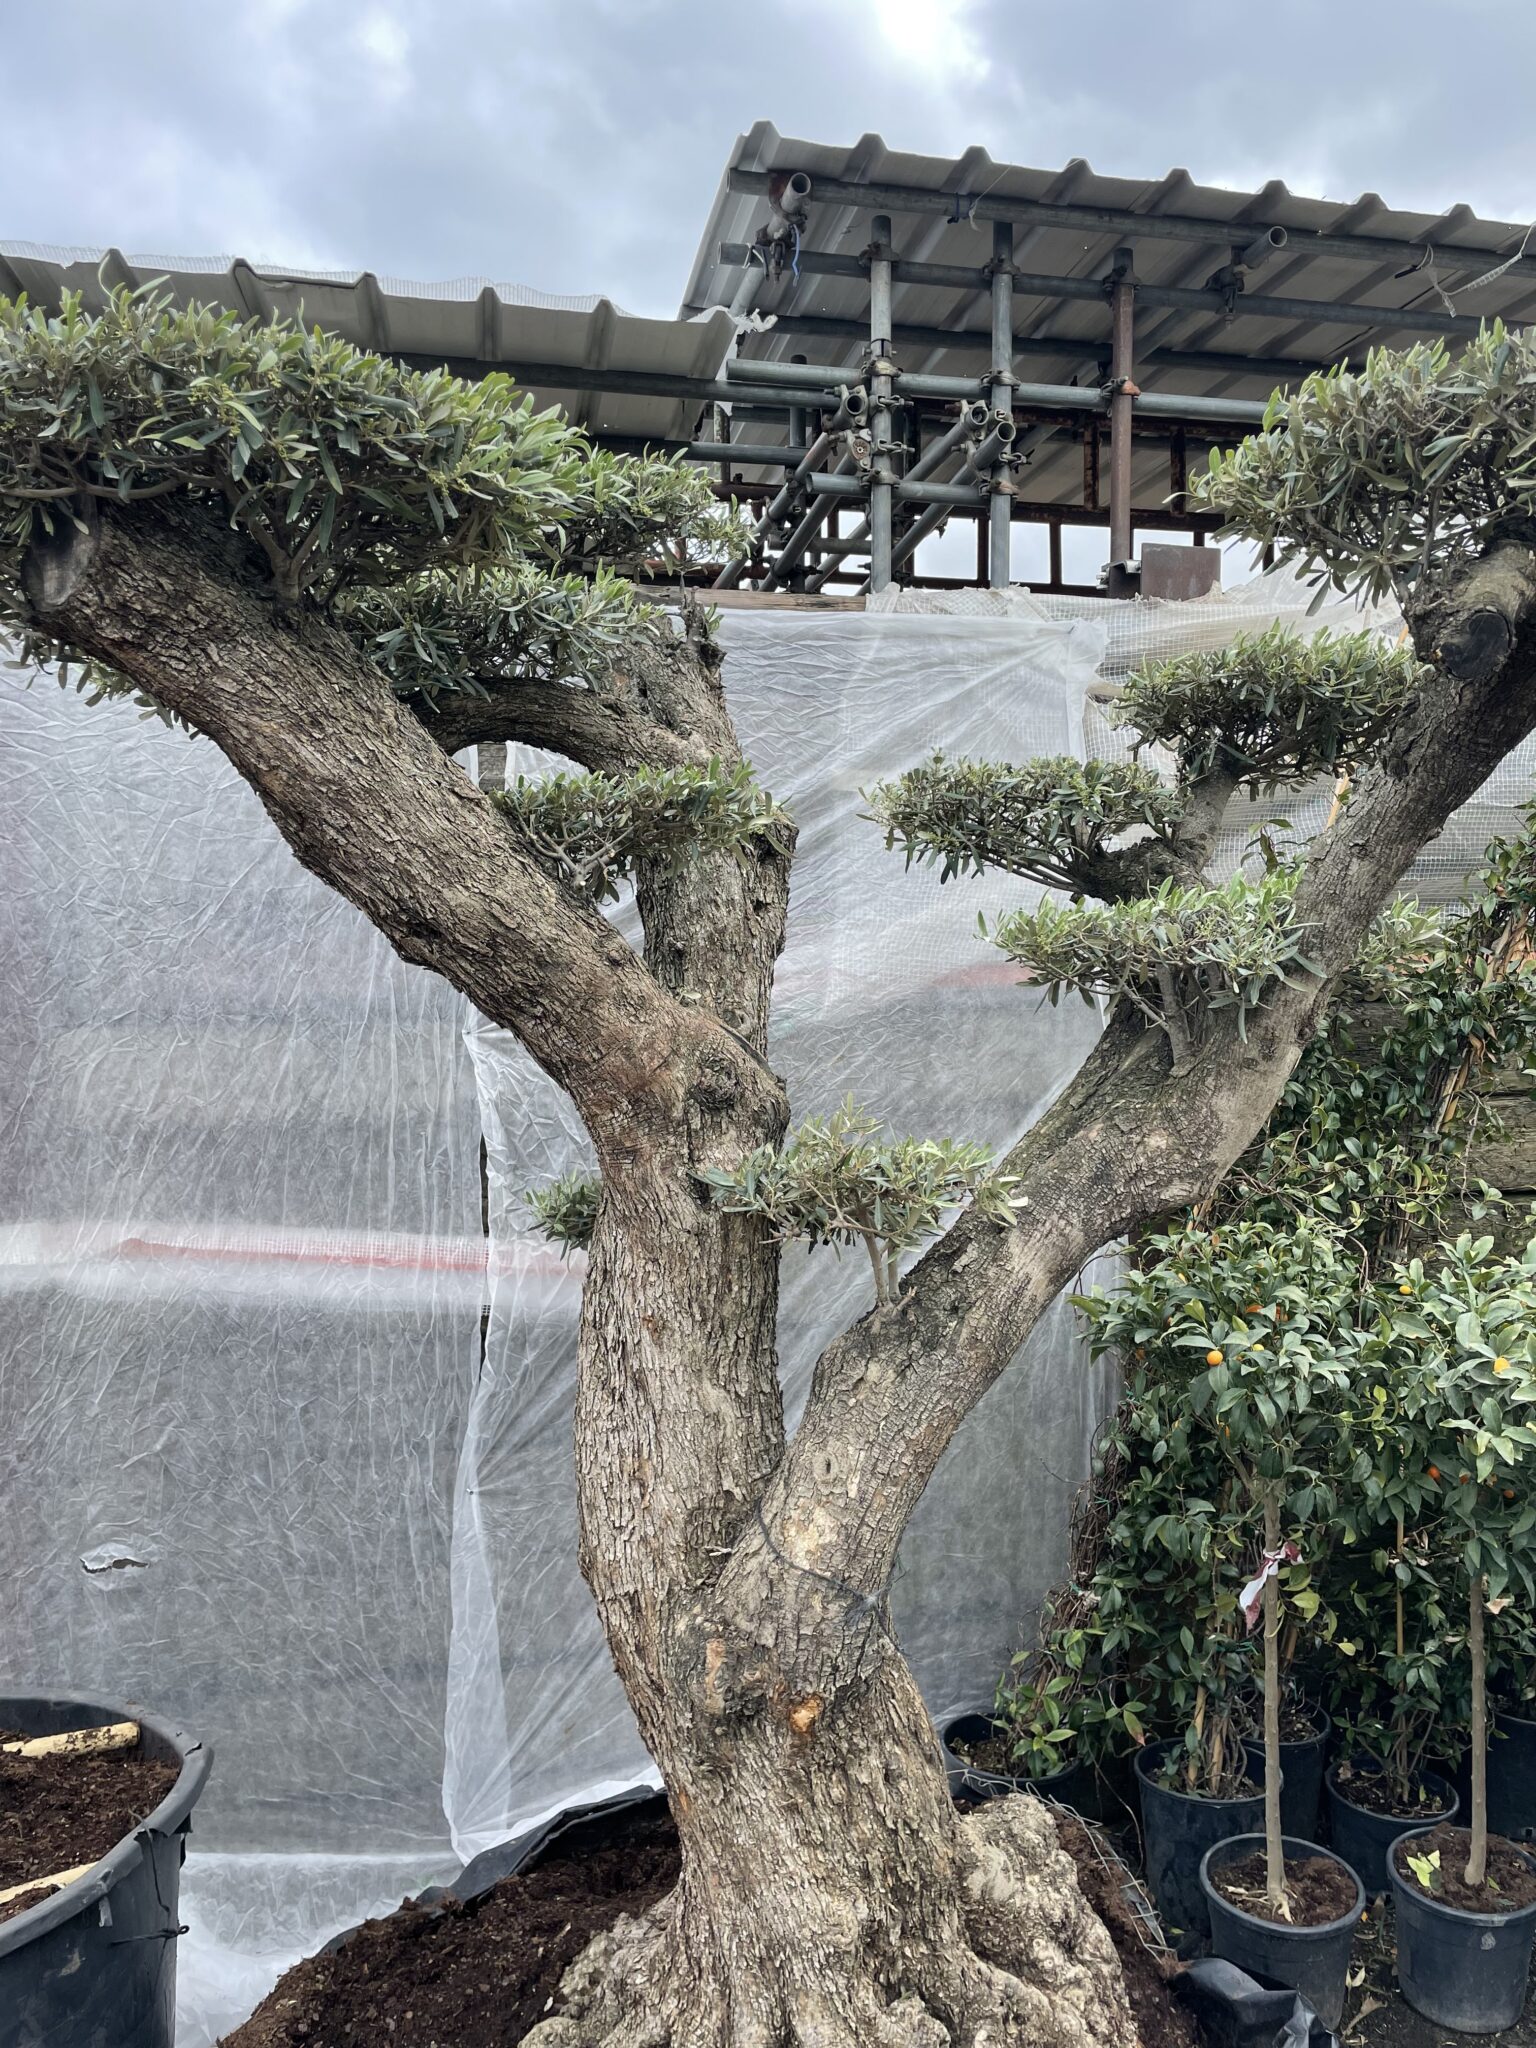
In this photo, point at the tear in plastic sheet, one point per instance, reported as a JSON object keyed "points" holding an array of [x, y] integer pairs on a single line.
{"points": [[241, 1262]]}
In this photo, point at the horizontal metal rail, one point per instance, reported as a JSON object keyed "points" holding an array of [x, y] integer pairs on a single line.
{"points": [[1049, 397], [622, 383], [1115, 220], [1217, 362], [1238, 304]]}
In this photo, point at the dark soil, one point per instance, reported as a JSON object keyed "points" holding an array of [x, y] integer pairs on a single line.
{"points": [[1298, 1722], [1317, 1888], [1161, 2022], [476, 1974], [57, 1812], [1512, 1881], [479, 1973], [992, 1756], [1362, 1786]]}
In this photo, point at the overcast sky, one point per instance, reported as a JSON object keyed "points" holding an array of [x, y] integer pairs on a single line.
{"points": [[576, 145]]}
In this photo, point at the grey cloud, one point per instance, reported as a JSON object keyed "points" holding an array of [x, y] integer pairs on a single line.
{"points": [[576, 147]]}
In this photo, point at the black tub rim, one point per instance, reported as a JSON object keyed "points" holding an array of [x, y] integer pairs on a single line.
{"points": [[956, 1764], [1321, 1734], [105, 1874], [1290, 1844], [1457, 1915], [1412, 1823], [1156, 1751]]}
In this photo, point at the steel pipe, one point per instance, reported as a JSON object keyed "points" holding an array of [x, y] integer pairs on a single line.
{"points": [[881, 399], [1029, 284], [731, 575], [994, 450], [972, 417], [1111, 220], [756, 454], [804, 531], [1123, 313], [1215, 362]]}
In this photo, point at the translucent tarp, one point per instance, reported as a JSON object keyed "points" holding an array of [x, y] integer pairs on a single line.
{"points": [[241, 1262], [251, 1468]]}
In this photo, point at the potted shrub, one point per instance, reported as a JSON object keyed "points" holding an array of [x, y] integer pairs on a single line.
{"points": [[1268, 1395], [1466, 1899], [1246, 1305], [1165, 1597], [1403, 1717]]}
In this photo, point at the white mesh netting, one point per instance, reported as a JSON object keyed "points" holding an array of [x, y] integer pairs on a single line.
{"points": [[254, 1471]]}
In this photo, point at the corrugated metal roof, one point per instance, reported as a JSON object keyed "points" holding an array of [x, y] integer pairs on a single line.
{"points": [[1076, 249], [465, 320]]}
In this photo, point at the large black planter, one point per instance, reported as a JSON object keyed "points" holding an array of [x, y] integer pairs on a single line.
{"points": [[1512, 1778], [1301, 1777], [1075, 1785], [1176, 1832], [1465, 1971], [1362, 1838], [1311, 1960], [94, 1966]]}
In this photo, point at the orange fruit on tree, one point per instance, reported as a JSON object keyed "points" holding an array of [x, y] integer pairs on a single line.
{"points": [[1213, 1358]]}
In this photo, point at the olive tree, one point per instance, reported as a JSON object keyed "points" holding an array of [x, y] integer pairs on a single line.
{"points": [[342, 573]]}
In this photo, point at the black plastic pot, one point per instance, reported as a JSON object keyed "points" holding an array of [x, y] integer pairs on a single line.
{"points": [[1465, 1971], [1176, 1832], [94, 1966], [1512, 1778], [1362, 1838], [1301, 1777], [1075, 1785], [1311, 1960]]}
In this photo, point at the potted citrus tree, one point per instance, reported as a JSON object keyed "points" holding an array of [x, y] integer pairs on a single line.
{"points": [[1268, 1314], [1466, 1899], [1396, 1672], [1232, 1385]]}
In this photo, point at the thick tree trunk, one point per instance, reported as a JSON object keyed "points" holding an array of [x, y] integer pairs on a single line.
{"points": [[831, 1898]]}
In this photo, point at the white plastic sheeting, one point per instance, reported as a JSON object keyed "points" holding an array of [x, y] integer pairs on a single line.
{"points": [[241, 1263], [884, 991]]}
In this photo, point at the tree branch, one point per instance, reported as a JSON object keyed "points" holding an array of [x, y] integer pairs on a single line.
{"points": [[367, 802], [602, 732], [1130, 1139]]}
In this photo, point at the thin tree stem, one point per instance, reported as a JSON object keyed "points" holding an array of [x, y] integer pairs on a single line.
{"points": [[1274, 1845], [1477, 1854], [872, 1246]]}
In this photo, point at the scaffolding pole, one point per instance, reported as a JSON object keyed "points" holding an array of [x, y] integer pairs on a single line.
{"points": [[1122, 398], [1000, 525], [881, 401]]}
